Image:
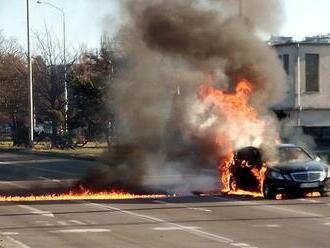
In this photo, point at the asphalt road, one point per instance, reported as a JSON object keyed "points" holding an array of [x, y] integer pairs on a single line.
{"points": [[26, 173], [189, 221]]}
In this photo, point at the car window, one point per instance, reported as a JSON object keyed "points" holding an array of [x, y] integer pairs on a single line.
{"points": [[293, 154]]}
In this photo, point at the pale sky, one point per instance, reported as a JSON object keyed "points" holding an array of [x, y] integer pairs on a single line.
{"points": [[85, 19]]}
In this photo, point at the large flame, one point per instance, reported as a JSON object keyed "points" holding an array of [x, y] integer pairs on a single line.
{"points": [[240, 125], [81, 194]]}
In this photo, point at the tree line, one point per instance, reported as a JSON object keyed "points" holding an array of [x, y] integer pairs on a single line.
{"points": [[90, 74]]}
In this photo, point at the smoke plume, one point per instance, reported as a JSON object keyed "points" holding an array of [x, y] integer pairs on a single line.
{"points": [[172, 47]]}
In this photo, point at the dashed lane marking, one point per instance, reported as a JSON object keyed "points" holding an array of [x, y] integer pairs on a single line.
{"points": [[309, 200], [99, 230], [77, 222], [201, 209], [37, 211], [197, 232], [243, 245], [282, 209], [9, 233], [267, 225], [172, 228], [50, 179]]}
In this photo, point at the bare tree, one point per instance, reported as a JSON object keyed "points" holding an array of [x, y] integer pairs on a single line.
{"points": [[48, 70], [13, 89]]}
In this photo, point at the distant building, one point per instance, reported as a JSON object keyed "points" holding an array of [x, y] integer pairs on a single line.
{"points": [[307, 104], [274, 40], [317, 39]]}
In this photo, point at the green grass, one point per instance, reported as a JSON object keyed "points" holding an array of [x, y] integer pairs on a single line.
{"points": [[90, 149]]}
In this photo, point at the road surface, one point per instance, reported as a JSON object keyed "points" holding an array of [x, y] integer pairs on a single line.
{"points": [[187, 221]]}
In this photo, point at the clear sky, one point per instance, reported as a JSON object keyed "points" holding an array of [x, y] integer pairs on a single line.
{"points": [[306, 18], [85, 19]]}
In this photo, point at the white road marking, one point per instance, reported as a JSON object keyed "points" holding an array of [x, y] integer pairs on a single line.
{"points": [[309, 200], [54, 180], [199, 233], [291, 210], [77, 222], [9, 233], [171, 228], [201, 209], [279, 208], [37, 211], [19, 243], [267, 225], [81, 231], [240, 245]]}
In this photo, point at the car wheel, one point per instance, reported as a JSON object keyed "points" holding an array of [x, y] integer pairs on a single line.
{"points": [[269, 192], [232, 184]]}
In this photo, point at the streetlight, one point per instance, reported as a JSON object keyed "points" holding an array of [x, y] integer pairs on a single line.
{"points": [[64, 61], [30, 75]]}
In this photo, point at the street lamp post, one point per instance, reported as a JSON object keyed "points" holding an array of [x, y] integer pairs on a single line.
{"points": [[31, 121], [64, 61]]}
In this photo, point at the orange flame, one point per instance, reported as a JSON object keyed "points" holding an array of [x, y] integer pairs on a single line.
{"points": [[243, 128], [81, 195]]}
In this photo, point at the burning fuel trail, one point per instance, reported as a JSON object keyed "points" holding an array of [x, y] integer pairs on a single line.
{"points": [[82, 195]]}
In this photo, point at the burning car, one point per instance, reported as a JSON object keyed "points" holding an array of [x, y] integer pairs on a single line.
{"points": [[293, 172]]}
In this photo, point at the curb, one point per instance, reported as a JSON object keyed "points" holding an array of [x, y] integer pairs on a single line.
{"points": [[50, 154]]}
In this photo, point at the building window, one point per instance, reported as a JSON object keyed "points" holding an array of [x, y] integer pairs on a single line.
{"points": [[312, 72], [285, 62]]}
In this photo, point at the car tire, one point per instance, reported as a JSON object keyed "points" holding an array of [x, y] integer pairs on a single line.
{"points": [[232, 184], [268, 192]]}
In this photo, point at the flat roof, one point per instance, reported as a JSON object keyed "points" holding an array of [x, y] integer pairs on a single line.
{"points": [[302, 44]]}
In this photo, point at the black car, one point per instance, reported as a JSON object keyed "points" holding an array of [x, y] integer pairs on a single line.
{"points": [[293, 172]]}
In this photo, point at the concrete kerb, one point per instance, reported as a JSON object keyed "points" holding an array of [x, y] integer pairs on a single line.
{"points": [[49, 154]]}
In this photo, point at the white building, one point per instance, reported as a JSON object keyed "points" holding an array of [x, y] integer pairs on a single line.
{"points": [[307, 104]]}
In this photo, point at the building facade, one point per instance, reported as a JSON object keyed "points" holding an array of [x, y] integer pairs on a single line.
{"points": [[307, 104]]}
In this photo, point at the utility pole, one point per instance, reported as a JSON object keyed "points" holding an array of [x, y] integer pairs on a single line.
{"points": [[298, 87], [30, 75]]}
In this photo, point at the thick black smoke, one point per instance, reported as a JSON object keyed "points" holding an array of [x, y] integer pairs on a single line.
{"points": [[170, 46]]}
